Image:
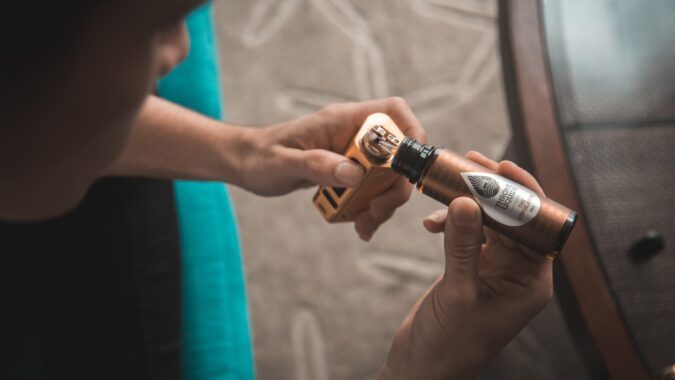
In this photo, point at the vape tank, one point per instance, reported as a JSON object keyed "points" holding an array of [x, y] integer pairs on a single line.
{"points": [[509, 208]]}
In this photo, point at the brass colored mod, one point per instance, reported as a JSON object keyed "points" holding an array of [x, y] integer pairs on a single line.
{"points": [[371, 148]]}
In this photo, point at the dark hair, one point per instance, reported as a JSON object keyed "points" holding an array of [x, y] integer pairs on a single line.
{"points": [[33, 36], [32, 30]]}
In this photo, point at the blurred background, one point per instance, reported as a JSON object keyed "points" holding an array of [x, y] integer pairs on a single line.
{"points": [[325, 305]]}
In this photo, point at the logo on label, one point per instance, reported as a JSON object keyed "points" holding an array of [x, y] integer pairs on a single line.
{"points": [[484, 185], [501, 199]]}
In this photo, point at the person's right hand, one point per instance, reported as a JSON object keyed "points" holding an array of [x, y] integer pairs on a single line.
{"points": [[488, 293], [307, 152]]}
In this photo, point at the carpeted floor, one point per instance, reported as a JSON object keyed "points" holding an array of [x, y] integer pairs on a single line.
{"points": [[324, 304]]}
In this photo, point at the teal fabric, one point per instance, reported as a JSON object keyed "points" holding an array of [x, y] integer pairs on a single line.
{"points": [[216, 338]]}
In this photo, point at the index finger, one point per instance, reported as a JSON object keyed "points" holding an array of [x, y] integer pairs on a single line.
{"points": [[507, 169], [482, 160], [514, 172]]}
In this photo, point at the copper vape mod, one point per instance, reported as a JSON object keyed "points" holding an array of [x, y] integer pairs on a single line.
{"points": [[371, 149], [509, 208]]}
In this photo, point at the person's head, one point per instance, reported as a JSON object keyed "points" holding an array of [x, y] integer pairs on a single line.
{"points": [[75, 74]]}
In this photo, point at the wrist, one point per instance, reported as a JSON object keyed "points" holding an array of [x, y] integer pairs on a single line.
{"points": [[409, 358], [236, 145]]}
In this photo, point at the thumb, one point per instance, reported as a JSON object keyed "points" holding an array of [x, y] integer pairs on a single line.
{"points": [[463, 242], [326, 168]]}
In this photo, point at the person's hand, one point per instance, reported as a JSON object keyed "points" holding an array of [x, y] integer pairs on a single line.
{"points": [[306, 152], [490, 289]]}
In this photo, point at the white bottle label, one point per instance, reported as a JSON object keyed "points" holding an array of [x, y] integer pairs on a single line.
{"points": [[503, 200]]}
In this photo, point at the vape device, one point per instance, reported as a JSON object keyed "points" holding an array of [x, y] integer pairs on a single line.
{"points": [[371, 149], [509, 208]]}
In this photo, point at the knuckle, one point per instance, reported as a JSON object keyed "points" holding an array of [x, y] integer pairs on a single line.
{"points": [[383, 215], [389, 202], [398, 101], [422, 135], [406, 193], [400, 198], [403, 187], [464, 249], [332, 110], [313, 163]]}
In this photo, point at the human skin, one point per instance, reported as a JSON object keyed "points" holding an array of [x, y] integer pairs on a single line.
{"points": [[169, 141], [94, 117], [66, 120], [91, 115], [488, 292]]}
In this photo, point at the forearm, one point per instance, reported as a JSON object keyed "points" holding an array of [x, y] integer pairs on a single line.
{"points": [[169, 141]]}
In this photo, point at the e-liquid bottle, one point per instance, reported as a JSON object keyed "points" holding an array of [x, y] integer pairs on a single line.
{"points": [[509, 208]]}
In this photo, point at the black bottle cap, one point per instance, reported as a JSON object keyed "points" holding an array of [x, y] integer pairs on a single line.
{"points": [[412, 158]]}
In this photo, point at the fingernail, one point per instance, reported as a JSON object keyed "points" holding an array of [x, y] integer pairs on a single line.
{"points": [[348, 174], [463, 213], [438, 217], [477, 153]]}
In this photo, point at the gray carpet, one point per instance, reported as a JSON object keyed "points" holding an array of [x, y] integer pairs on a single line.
{"points": [[324, 304]]}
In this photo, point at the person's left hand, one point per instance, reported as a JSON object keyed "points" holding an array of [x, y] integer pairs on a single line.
{"points": [[306, 152]]}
